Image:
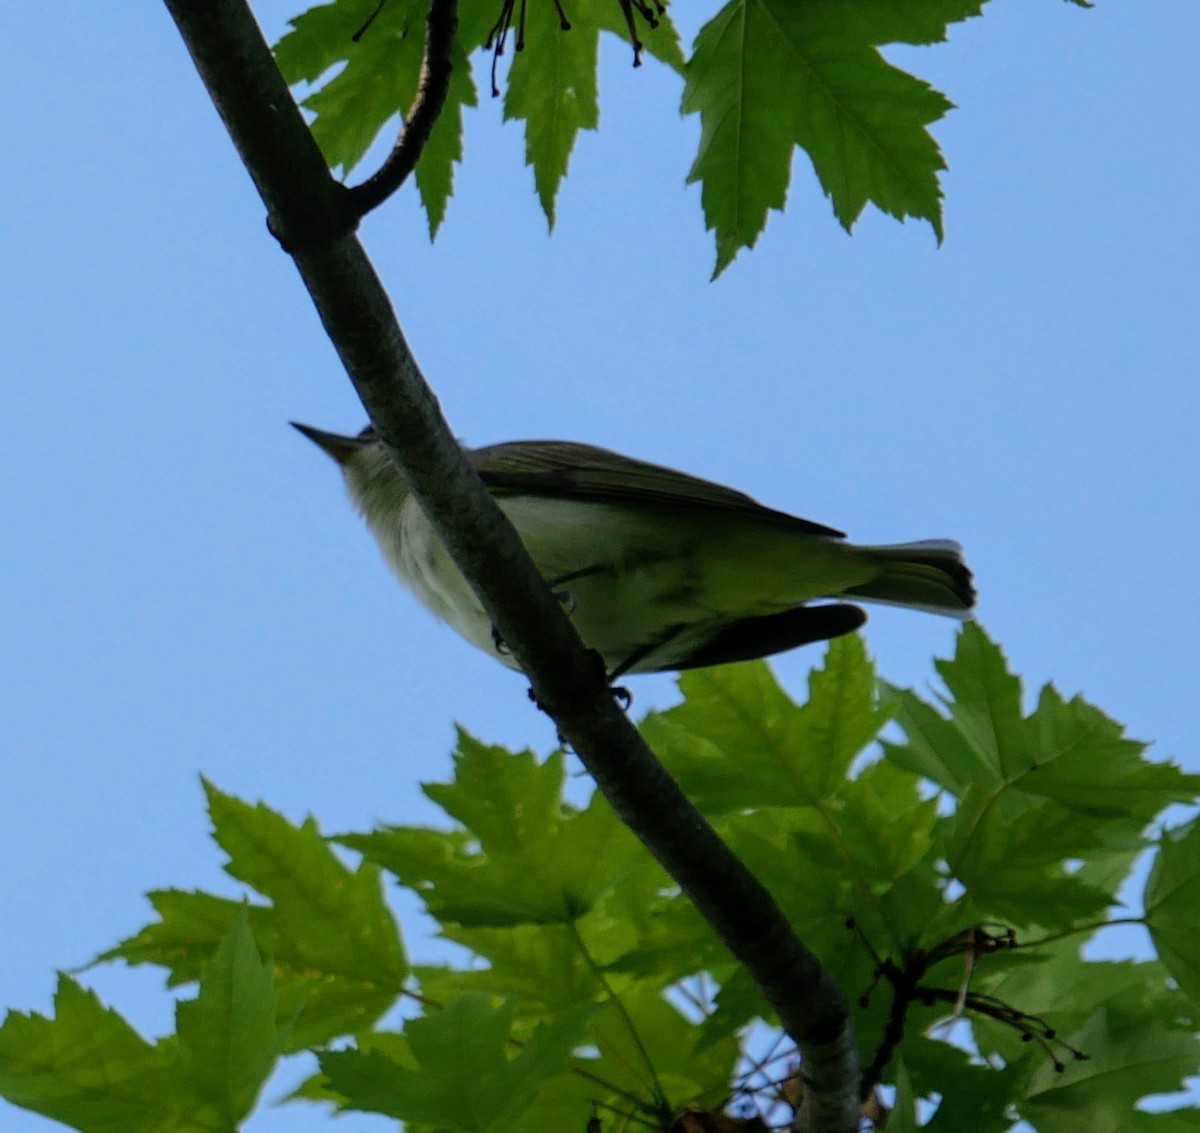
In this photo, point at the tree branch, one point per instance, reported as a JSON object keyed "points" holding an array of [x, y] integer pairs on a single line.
{"points": [[433, 84], [308, 210]]}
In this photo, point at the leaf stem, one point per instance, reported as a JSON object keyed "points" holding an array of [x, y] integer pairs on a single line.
{"points": [[1077, 930], [661, 1101]]}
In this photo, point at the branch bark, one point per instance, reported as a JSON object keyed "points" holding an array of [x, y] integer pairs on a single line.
{"points": [[310, 213]]}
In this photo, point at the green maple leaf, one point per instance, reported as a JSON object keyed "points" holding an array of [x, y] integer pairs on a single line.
{"points": [[1068, 751], [552, 83], [378, 78], [1134, 1029], [538, 860], [552, 967], [1128, 1058], [767, 76], [738, 744], [1014, 868], [864, 853], [980, 1097], [1172, 903], [1181, 1120], [885, 823], [562, 1099], [670, 937], [1033, 792], [539, 965], [552, 89], [377, 83], [460, 1077], [227, 1035], [329, 932], [335, 918], [903, 1115], [739, 741], [187, 934], [444, 148], [646, 1044], [87, 1068], [737, 1002], [661, 42]]}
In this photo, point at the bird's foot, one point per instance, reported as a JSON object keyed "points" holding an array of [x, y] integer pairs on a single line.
{"points": [[499, 644], [558, 732], [619, 693]]}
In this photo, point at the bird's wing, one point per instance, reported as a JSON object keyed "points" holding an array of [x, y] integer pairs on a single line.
{"points": [[584, 472]]}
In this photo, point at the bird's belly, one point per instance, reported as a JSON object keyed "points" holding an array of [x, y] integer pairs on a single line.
{"points": [[623, 578], [636, 580], [423, 563], [629, 576]]}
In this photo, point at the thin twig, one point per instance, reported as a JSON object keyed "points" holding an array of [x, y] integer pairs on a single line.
{"points": [[433, 84], [904, 989]]}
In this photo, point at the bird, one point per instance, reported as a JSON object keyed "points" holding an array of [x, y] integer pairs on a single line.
{"points": [[659, 570]]}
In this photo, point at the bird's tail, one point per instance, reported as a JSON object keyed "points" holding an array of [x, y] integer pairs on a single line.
{"points": [[930, 575]]}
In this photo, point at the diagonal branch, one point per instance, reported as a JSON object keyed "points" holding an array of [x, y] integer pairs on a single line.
{"points": [[308, 210], [433, 84]]}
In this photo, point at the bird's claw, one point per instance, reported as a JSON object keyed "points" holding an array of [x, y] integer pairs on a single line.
{"points": [[562, 740], [499, 644]]}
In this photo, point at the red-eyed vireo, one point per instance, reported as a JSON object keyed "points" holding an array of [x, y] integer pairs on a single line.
{"points": [[660, 570]]}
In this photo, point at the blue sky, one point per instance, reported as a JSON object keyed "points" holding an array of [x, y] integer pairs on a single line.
{"points": [[185, 588]]}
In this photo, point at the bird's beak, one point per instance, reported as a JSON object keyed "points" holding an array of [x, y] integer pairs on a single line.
{"points": [[339, 447]]}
